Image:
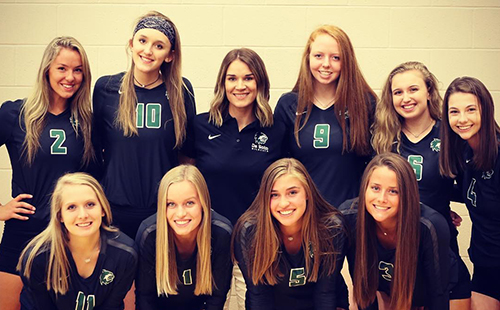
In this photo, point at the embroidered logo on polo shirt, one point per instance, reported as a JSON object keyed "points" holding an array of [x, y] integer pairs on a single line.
{"points": [[260, 140], [436, 145], [106, 277]]}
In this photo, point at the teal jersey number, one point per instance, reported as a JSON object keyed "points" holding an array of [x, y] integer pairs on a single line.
{"points": [[297, 277], [80, 302], [186, 277], [321, 136], [416, 162], [60, 136], [149, 116], [471, 194]]}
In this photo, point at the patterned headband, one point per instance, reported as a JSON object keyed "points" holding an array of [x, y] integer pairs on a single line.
{"points": [[157, 23]]}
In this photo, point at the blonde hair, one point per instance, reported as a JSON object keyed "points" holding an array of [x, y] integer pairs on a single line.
{"points": [[220, 103], [353, 94], [54, 239], [34, 111], [318, 221], [167, 278], [388, 123], [171, 74]]}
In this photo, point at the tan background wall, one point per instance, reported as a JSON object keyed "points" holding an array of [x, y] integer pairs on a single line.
{"points": [[452, 37]]}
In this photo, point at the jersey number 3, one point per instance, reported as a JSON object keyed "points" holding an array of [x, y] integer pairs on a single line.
{"points": [[321, 136], [80, 302], [57, 147]]}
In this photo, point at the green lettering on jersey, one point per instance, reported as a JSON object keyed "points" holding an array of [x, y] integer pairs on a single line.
{"points": [[149, 116], [416, 162], [186, 276], [297, 277], [139, 113], [80, 302], [321, 136], [60, 136]]}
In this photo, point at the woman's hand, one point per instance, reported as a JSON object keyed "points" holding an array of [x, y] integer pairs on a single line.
{"points": [[455, 218], [14, 208]]}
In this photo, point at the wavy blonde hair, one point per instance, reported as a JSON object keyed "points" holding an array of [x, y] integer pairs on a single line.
{"points": [[353, 94], [220, 104], [35, 109], [388, 123], [167, 278], [54, 239], [172, 76]]}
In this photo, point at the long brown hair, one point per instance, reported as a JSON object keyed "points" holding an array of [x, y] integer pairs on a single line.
{"points": [[54, 239], [388, 123], [319, 219], [166, 263], [451, 160], [171, 75], [408, 234], [33, 116], [352, 97], [220, 104]]}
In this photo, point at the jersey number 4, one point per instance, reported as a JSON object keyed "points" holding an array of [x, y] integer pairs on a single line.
{"points": [[148, 115], [321, 136], [57, 147], [81, 301]]}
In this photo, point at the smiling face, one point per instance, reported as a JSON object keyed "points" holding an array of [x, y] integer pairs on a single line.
{"points": [[65, 75], [240, 85], [324, 60], [288, 202], [382, 196], [410, 96], [184, 210], [464, 116], [81, 212], [150, 49]]}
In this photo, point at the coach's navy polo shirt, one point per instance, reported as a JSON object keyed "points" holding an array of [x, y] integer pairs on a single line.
{"points": [[233, 161]]}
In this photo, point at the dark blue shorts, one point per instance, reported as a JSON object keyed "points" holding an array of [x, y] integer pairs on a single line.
{"points": [[485, 281], [13, 243]]}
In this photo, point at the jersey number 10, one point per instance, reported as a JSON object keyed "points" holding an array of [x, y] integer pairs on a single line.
{"points": [[148, 115]]}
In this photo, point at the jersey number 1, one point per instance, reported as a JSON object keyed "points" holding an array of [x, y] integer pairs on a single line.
{"points": [[149, 115], [321, 136], [80, 302]]}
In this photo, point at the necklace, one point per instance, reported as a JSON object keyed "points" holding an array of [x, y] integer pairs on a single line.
{"points": [[418, 135], [146, 85], [88, 259], [323, 105], [290, 238]]}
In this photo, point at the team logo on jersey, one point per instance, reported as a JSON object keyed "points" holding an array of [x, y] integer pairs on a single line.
{"points": [[106, 277], [260, 140], [436, 145], [487, 174], [74, 122], [388, 270]]}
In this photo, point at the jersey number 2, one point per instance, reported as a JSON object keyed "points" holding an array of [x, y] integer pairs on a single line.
{"points": [[80, 302], [60, 136], [321, 136], [416, 162], [149, 115]]}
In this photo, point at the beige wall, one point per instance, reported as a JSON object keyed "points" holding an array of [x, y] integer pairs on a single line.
{"points": [[452, 37]]}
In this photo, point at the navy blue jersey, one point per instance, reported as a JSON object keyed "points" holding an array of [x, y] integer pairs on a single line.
{"points": [[435, 190], [105, 289], [337, 175], [294, 290], [434, 257], [60, 152], [233, 161], [481, 192], [134, 166], [147, 296]]}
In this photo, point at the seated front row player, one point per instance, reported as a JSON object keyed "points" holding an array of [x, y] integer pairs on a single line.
{"points": [[184, 248], [289, 243], [398, 246]]}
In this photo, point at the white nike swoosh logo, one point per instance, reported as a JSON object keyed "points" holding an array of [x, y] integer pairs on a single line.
{"points": [[210, 137]]}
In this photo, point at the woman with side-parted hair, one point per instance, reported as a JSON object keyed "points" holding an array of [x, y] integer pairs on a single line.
{"points": [[328, 115], [183, 248], [79, 261], [143, 118], [399, 248], [470, 143], [46, 135], [407, 122], [289, 243]]}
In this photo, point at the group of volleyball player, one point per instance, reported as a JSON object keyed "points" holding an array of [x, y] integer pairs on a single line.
{"points": [[132, 196]]}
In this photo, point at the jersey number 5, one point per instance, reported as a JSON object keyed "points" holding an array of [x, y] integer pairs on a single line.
{"points": [[297, 277], [149, 115], [60, 136], [416, 162], [80, 302], [321, 136]]}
